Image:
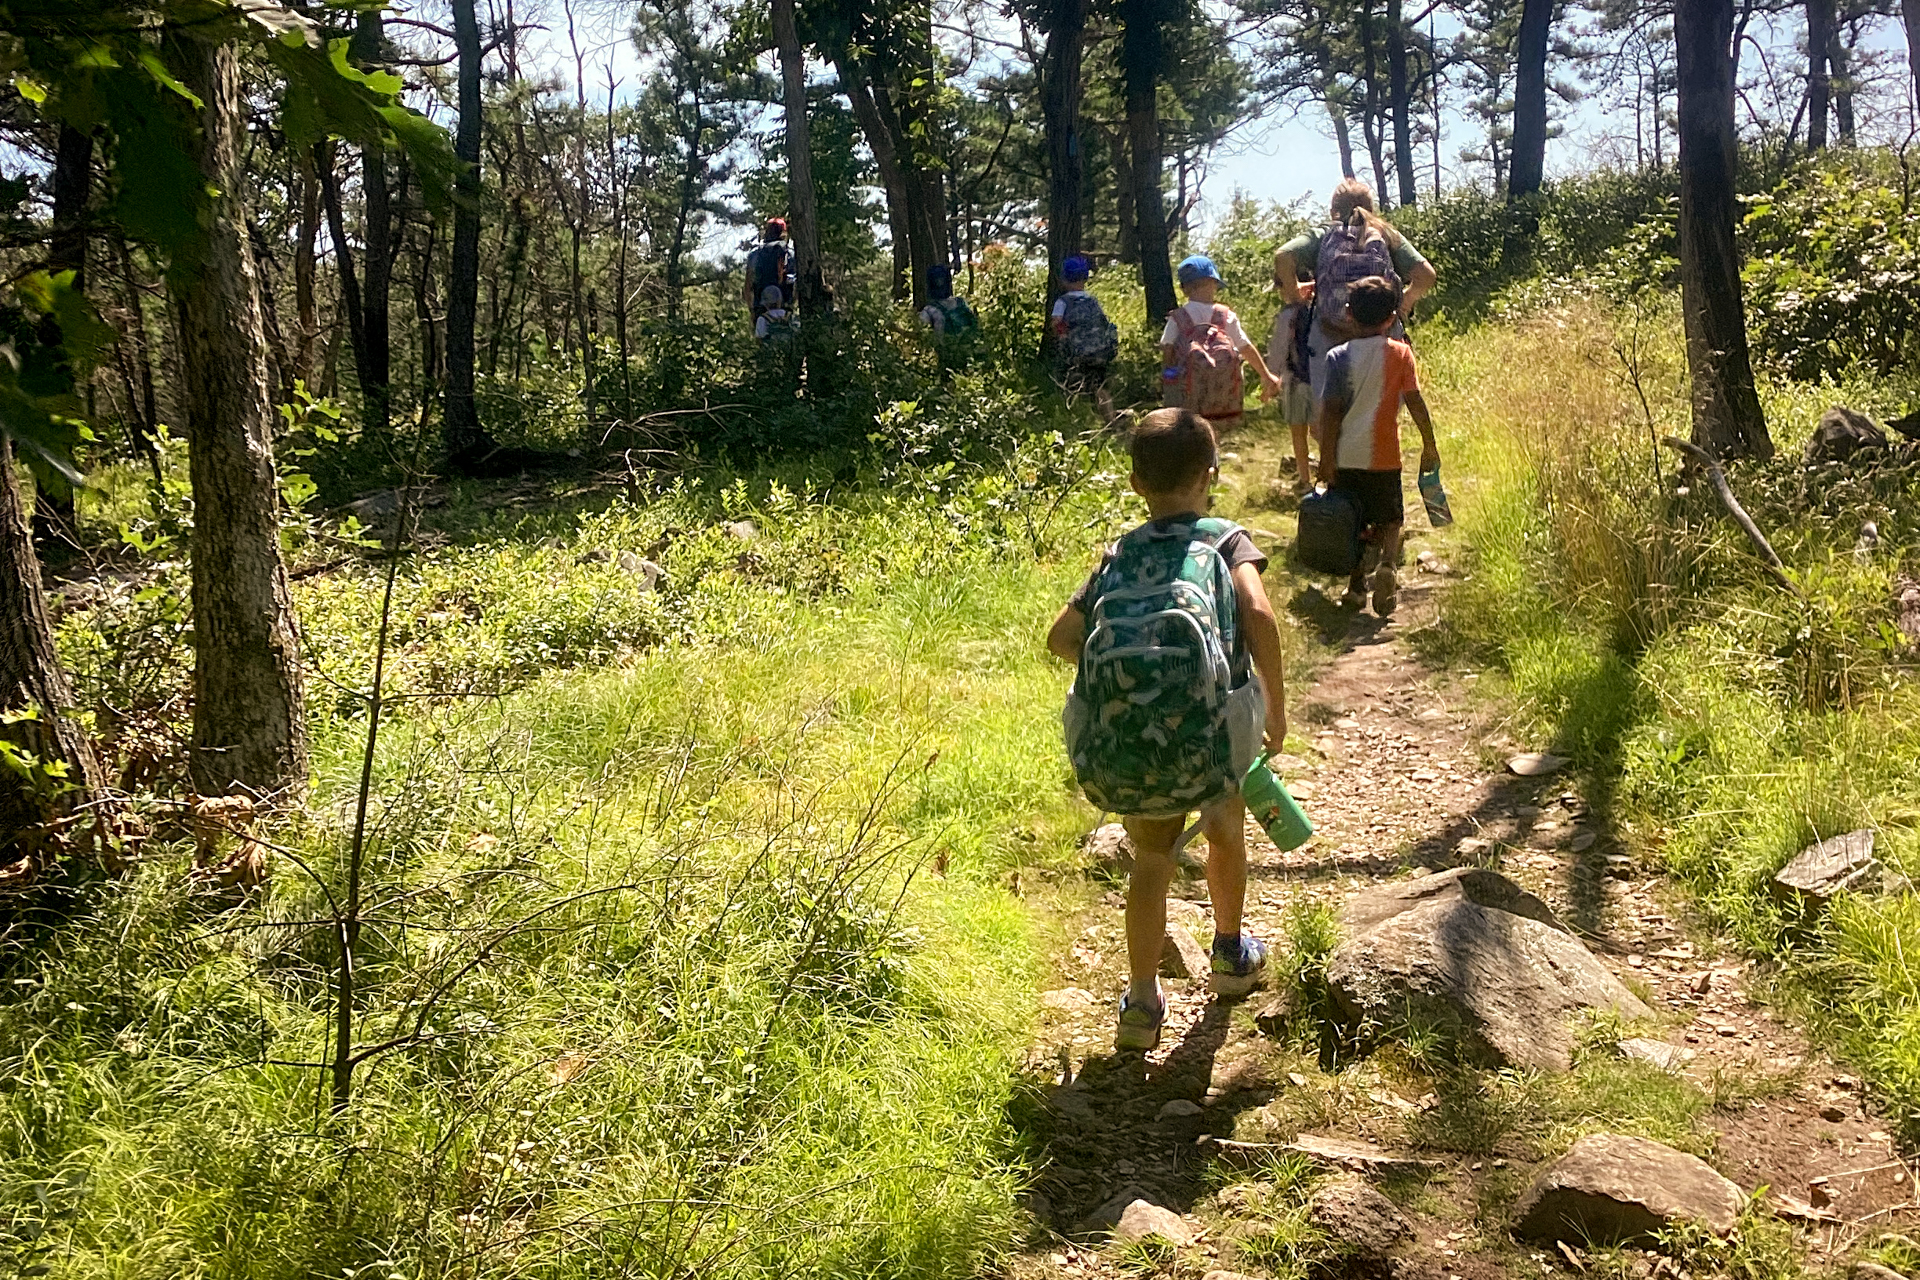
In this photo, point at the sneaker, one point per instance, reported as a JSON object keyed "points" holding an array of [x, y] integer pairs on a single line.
{"points": [[1139, 1024], [1238, 964], [1385, 588]]}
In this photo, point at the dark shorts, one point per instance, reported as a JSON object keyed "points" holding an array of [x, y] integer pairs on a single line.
{"points": [[1377, 492], [1083, 377]]}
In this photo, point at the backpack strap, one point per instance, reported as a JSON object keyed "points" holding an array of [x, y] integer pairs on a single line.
{"points": [[1219, 318], [1186, 323]]}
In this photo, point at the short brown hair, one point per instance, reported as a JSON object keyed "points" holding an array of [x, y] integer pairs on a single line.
{"points": [[1171, 449], [1373, 301]]}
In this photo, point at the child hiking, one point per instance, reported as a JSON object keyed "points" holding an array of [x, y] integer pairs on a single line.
{"points": [[1287, 356], [1201, 350], [1368, 378], [1086, 341], [1178, 682]]}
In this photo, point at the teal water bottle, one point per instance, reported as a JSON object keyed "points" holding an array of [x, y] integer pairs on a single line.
{"points": [[1274, 808], [1438, 512]]}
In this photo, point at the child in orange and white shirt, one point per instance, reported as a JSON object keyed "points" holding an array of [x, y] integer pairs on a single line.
{"points": [[1368, 379]]}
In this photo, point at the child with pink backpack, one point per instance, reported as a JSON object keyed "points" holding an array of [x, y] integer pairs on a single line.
{"points": [[1201, 350]]}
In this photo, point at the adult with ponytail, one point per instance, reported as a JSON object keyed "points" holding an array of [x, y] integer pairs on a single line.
{"points": [[1356, 244]]}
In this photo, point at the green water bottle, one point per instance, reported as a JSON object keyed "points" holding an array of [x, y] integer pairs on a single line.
{"points": [[1274, 808]]}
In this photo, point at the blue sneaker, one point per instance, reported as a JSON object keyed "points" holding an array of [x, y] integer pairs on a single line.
{"points": [[1139, 1024], [1238, 964]]}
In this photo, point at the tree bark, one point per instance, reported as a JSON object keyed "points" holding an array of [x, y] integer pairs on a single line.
{"points": [[1342, 136], [866, 110], [146, 437], [466, 442], [249, 723], [1142, 51], [1060, 94], [1910, 18], [53, 510], [921, 195], [803, 214], [1840, 82], [1527, 164], [36, 818], [1727, 421], [1400, 92], [1819, 83], [305, 270]]}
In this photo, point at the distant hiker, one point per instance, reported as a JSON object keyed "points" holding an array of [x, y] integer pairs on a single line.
{"points": [[946, 312], [1178, 683], [1087, 342], [1356, 244], [770, 267], [1201, 350], [1367, 380], [1287, 356], [775, 323]]}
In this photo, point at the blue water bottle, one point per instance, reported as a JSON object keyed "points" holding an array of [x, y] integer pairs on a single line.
{"points": [[1435, 498]]}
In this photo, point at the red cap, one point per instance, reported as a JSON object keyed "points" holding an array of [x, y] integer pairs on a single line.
{"points": [[776, 229]]}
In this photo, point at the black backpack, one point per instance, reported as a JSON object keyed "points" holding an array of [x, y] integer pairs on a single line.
{"points": [[1329, 533], [770, 265]]}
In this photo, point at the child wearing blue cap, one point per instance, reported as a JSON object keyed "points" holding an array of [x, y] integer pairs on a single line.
{"points": [[1085, 340], [1202, 347]]}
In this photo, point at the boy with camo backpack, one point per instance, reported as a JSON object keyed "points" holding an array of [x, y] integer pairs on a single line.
{"points": [[1178, 681]]}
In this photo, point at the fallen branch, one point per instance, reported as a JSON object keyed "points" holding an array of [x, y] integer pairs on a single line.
{"points": [[1718, 478]]}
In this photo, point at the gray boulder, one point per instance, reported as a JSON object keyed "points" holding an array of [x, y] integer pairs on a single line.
{"points": [[1826, 867], [1143, 1218], [1182, 955], [1461, 884], [1841, 433], [1110, 849], [1502, 988], [1362, 1222], [1612, 1189]]}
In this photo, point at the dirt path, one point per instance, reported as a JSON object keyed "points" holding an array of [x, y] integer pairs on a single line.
{"points": [[1404, 777]]}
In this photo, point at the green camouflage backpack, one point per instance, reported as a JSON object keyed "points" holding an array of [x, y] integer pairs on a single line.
{"points": [[1146, 720]]}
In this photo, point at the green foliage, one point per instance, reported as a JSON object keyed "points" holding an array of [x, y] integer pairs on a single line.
{"points": [[1830, 279]]}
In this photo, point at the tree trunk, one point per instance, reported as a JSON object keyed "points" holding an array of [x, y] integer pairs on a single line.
{"points": [[305, 271], [249, 723], [1840, 80], [1060, 94], [36, 815], [1401, 94], [53, 511], [1528, 162], [1342, 136], [146, 438], [466, 442], [866, 110], [1142, 50], [1819, 83], [920, 194], [1726, 412], [1910, 17], [803, 216], [1372, 122]]}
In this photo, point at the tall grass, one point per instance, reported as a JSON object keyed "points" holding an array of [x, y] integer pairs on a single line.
{"points": [[1729, 722]]}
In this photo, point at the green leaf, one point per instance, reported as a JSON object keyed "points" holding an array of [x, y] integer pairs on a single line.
{"points": [[30, 89], [158, 70]]}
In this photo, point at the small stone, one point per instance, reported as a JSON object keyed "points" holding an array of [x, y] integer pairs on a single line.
{"points": [[1068, 998], [1178, 1109], [1273, 1016], [1367, 1224], [1110, 849], [1287, 764], [645, 570], [1346, 722], [1302, 790], [1225, 1275], [1832, 1114], [1536, 764], [1827, 867], [1873, 1271], [1297, 1080], [1182, 956], [1655, 1053], [741, 530], [1143, 1219], [1583, 841]]}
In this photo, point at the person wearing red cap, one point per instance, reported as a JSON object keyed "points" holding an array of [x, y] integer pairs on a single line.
{"points": [[770, 267]]}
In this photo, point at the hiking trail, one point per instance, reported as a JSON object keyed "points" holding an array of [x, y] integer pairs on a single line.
{"points": [[1406, 776]]}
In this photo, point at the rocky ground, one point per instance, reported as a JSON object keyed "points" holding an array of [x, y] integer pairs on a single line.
{"points": [[1259, 1140]]}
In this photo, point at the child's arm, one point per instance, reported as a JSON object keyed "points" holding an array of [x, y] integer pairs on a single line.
{"points": [[1263, 646], [1269, 385], [1429, 449], [1067, 634], [1333, 413]]}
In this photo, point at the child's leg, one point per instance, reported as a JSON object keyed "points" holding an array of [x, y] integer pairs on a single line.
{"points": [[1147, 898], [1386, 585], [1226, 831], [1300, 454]]}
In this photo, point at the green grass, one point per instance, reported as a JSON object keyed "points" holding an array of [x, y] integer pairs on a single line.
{"points": [[1722, 724]]}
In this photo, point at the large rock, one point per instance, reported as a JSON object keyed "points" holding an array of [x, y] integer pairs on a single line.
{"points": [[1501, 988], [1612, 1189], [1823, 869], [1143, 1219], [1182, 955], [1362, 1222], [1841, 433], [1470, 884]]}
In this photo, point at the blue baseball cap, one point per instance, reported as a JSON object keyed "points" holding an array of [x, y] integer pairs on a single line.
{"points": [[1198, 267], [1075, 268]]}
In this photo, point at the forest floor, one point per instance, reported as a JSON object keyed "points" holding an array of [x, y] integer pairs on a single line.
{"points": [[1404, 775]]}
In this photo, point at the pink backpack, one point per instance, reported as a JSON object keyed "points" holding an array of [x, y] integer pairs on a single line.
{"points": [[1210, 379]]}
